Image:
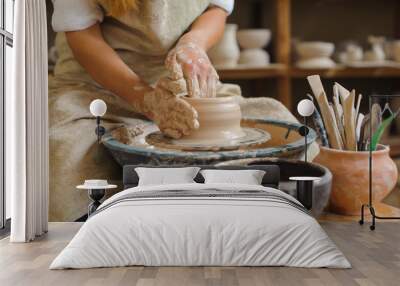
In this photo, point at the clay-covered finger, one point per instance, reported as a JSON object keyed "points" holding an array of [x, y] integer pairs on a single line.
{"points": [[192, 83], [212, 86], [203, 86], [176, 87], [193, 86], [180, 123], [189, 114], [203, 71], [186, 125], [187, 109], [172, 65], [183, 127], [215, 74], [173, 133]]}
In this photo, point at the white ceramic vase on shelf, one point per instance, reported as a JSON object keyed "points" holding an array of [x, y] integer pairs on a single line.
{"points": [[377, 52], [315, 55], [352, 53], [395, 50], [252, 41], [225, 54]]}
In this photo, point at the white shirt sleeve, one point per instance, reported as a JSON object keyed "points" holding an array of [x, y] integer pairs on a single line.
{"points": [[74, 15], [224, 4]]}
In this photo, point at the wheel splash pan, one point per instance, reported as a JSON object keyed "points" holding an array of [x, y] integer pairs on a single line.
{"points": [[285, 142]]}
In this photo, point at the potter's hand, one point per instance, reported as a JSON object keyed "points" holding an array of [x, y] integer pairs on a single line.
{"points": [[190, 62], [174, 116]]}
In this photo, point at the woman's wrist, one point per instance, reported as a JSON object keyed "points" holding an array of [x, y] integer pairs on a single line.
{"points": [[194, 37], [136, 97]]}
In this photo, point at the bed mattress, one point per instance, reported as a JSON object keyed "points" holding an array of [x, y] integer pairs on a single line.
{"points": [[201, 225]]}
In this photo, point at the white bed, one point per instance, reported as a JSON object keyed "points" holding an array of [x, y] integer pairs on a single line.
{"points": [[139, 227]]}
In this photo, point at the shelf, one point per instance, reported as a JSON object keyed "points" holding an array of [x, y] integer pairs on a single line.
{"points": [[283, 14], [347, 72], [272, 70], [280, 70]]}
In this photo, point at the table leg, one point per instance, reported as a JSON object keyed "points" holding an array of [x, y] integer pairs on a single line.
{"points": [[95, 195], [304, 193]]}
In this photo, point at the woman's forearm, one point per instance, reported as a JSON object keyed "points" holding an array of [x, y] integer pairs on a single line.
{"points": [[104, 65], [208, 28]]}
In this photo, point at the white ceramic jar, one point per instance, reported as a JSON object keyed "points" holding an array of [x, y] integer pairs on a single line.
{"points": [[225, 54], [395, 48], [315, 55], [254, 58], [252, 42], [254, 38]]}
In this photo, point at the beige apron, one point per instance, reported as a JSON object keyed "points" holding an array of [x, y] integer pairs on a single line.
{"points": [[142, 40]]}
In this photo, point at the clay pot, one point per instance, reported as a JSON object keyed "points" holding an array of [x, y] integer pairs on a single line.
{"points": [[315, 55], [352, 53], [350, 178], [321, 63], [377, 52], [307, 50], [395, 48], [253, 38], [219, 119], [225, 54], [254, 57]]}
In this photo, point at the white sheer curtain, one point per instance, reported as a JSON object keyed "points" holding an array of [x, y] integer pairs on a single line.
{"points": [[27, 124]]}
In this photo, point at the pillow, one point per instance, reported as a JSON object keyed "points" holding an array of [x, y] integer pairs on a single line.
{"points": [[166, 176], [248, 177]]}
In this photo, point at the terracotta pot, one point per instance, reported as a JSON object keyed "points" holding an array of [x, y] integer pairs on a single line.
{"points": [[219, 119], [225, 54], [351, 180]]}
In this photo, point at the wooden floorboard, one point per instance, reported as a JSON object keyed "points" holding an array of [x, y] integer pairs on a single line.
{"points": [[375, 257]]}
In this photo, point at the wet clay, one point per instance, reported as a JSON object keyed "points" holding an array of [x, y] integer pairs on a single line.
{"points": [[190, 62], [126, 134], [219, 120], [173, 115]]}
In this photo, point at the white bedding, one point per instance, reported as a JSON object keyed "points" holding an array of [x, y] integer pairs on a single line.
{"points": [[188, 231]]}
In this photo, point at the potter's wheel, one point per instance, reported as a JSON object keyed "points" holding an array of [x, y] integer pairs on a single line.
{"points": [[285, 142], [252, 137]]}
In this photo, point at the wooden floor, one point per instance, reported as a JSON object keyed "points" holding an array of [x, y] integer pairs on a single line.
{"points": [[375, 257]]}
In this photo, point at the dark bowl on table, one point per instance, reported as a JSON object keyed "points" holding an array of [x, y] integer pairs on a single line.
{"points": [[293, 168]]}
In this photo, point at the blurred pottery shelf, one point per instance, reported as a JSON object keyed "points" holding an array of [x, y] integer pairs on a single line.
{"points": [[283, 71], [280, 70], [348, 72], [246, 72]]}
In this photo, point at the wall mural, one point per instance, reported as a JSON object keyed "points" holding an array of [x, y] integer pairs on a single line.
{"points": [[165, 104], [139, 84]]}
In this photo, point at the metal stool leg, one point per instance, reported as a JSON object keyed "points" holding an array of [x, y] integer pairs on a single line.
{"points": [[372, 210], [361, 221]]}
